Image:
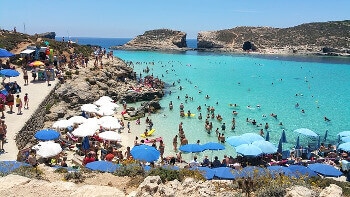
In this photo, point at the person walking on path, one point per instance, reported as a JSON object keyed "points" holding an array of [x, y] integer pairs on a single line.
{"points": [[26, 100], [2, 108], [19, 105], [25, 76], [10, 101]]}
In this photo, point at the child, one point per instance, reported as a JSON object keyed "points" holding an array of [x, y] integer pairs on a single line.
{"points": [[26, 100]]}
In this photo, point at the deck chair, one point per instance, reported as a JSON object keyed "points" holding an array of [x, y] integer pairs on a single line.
{"points": [[71, 137]]}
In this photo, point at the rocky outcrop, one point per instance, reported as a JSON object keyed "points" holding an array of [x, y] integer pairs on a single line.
{"points": [[49, 35], [306, 38], [300, 191], [332, 190], [159, 39]]}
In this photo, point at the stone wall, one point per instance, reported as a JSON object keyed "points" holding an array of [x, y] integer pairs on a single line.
{"points": [[25, 137]]}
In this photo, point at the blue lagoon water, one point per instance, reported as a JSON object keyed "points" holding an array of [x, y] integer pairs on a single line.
{"points": [[319, 84], [276, 84]]}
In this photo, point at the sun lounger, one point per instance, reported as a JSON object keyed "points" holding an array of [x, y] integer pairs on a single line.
{"points": [[71, 137]]}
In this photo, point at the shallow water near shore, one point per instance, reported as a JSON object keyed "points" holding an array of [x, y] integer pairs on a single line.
{"points": [[275, 84]]}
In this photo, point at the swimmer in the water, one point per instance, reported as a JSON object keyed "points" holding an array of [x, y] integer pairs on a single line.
{"points": [[207, 97], [326, 119]]}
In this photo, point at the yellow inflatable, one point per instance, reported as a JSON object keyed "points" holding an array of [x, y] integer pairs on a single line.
{"points": [[149, 133], [192, 115]]}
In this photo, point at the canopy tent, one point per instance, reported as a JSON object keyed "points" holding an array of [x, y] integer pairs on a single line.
{"points": [[27, 51]]}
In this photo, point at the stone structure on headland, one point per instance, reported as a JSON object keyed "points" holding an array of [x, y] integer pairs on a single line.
{"points": [[159, 39], [328, 38], [49, 35]]}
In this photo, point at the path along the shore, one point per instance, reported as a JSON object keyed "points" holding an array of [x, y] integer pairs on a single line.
{"points": [[37, 91]]}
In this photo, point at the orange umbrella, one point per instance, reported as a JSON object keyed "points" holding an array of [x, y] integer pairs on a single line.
{"points": [[37, 63]]}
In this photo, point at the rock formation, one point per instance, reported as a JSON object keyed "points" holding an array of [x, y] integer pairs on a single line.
{"points": [[49, 35], [305, 38], [159, 39]]}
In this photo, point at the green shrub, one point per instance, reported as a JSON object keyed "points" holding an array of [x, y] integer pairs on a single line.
{"points": [[29, 171], [131, 170], [76, 177], [61, 170], [166, 174]]}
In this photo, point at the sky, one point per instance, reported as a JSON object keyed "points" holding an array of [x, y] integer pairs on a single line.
{"points": [[129, 18]]}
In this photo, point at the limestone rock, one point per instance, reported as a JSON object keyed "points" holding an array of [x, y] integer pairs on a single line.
{"points": [[50, 35], [300, 191], [332, 190], [149, 186], [93, 190], [159, 39], [12, 180]]}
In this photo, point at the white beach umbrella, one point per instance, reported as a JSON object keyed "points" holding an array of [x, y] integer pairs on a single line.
{"points": [[77, 119], [110, 122], [86, 129], [102, 100], [105, 111], [110, 135], [62, 124], [47, 149], [110, 105], [89, 107]]}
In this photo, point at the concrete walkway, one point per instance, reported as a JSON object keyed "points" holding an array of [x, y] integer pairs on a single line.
{"points": [[37, 91]]}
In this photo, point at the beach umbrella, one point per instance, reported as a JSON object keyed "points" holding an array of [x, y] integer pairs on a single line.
{"points": [[47, 134], [105, 111], [279, 147], [77, 119], [102, 100], [325, 135], [110, 136], [37, 63], [267, 138], [276, 170], [224, 173], [109, 122], [86, 129], [5, 53], [7, 167], [89, 108], [145, 153], [191, 148], [249, 171], [265, 146], [236, 141], [103, 166], [248, 150], [300, 170], [306, 132], [319, 142], [344, 139], [62, 124], [283, 137], [251, 137], [297, 146], [110, 105], [47, 149], [9, 72], [344, 146], [344, 134], [213, 146], [208, 173], [325, 169]]}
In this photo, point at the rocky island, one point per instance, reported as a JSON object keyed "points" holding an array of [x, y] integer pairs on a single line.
{"points": [[328, 38], [159, 39]]}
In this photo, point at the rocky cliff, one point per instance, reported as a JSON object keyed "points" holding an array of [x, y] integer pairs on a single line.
{"points": [[49, 35], [326, 37], [159, 39]]}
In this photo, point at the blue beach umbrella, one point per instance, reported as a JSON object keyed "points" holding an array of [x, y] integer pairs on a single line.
{"points": [[236, 141], [344, 134], [248, 150], [297, 146], [279, 147], [9, 72], [104, 166], [283, 137], [213, 146], [47, 134], [7, 167], [344, 146], [208, 173], [325, 169], [306, 132], [251, 137], [145, 153], [191, 148], [267, 138], [5, 53], [325, 136], [275, 170], [265, 146], [300, 170], [249, 171], [224, 173]]}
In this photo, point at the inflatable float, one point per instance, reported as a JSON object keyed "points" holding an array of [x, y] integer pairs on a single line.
{"points": [[191, 115], [149, 133]]}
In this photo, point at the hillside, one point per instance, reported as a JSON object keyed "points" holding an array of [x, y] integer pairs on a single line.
{"points": [[311, 37], [159, 39]]}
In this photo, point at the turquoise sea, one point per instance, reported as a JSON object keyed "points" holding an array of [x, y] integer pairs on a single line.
{"points": [[320, 86]]}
